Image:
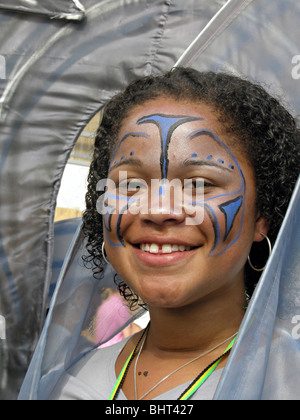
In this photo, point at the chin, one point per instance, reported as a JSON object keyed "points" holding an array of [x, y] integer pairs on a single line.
{"points": [[165, 297]]}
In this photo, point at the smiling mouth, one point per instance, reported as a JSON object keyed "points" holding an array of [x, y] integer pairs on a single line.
{"points": [[154, 248]]}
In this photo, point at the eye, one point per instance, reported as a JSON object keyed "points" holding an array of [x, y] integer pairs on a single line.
{"points": [[196, 186], [195, 183], [129, 187], [198, 183]]}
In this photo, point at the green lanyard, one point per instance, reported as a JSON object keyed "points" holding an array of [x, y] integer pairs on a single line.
{"points": [[191, 389], [204, 375], [121, 376]]}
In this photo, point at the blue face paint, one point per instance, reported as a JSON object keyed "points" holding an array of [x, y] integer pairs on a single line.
{"points": [[161, 190], [107, 218], [234, 201], [229, 208], [166, 124], [131, 134]]}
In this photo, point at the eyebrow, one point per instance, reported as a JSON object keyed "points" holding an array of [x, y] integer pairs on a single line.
{"points": [[131, 134], [194, 162], [129, 161]]}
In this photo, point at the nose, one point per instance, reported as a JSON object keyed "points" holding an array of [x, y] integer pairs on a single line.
{"points": [[162, 215], [164, 205]]}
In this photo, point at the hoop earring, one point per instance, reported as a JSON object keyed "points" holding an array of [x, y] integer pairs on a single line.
{"points": [[104, 254], [270, 250]]}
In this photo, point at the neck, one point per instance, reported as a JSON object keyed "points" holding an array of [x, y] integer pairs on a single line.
{"points": [[196, 327]]}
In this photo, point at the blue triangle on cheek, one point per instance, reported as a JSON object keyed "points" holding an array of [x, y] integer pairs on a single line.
{"points": [[230, 210]]}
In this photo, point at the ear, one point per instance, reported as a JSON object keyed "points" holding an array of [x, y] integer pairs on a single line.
{"points": [[261, 227]]}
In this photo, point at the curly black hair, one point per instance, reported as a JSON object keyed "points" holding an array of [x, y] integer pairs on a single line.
{"points": [[260, 125]]}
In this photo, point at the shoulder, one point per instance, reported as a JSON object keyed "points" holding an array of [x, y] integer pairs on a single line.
{"points": [[99, 360], [92, 377]]}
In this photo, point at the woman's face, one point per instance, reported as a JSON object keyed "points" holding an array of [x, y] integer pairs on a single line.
{"points": [[180, 205]]}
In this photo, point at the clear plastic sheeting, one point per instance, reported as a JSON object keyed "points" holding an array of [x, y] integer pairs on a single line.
{"points": [[85, 314], [58, 75], [55, 9], [255, 39], [259, 40], [265, 363], [64, 231]]}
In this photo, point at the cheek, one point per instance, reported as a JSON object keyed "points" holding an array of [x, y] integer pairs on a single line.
{"points": [[114, 225], [226, 220]]}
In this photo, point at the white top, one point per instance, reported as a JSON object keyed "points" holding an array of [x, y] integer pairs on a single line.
{"points": [[93, 378]]}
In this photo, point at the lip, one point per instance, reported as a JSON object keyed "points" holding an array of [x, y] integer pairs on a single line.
{"points": [[162, 260], [161, 241]]}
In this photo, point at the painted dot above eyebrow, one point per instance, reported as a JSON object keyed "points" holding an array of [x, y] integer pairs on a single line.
{"points": [[209, 157], [231, 166], [131, 153], [122, 157], [115, 161], [193, 155], [221, 160]]}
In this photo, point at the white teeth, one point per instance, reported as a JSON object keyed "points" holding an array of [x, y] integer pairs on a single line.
{"points": [[165, 248], [154, 248]]}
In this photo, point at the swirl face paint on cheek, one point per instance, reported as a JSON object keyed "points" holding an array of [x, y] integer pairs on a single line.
{"points": [[223, 209]]}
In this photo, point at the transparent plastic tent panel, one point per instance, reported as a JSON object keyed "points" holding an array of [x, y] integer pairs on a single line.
{"points": [[85, 313], [265, 363], [55, 9], [256, 39], [55, 75]]}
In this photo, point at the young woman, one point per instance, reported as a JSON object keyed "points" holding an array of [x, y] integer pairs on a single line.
{"points": [[199, 169]]}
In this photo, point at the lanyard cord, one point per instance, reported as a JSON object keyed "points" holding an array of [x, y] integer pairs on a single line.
{"points": [[189, 391], [203, 376], [123, 373]]}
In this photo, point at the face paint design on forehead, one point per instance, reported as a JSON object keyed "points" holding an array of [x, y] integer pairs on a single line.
{"points": [[221, 209], [131, 134], [166, 124]]}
